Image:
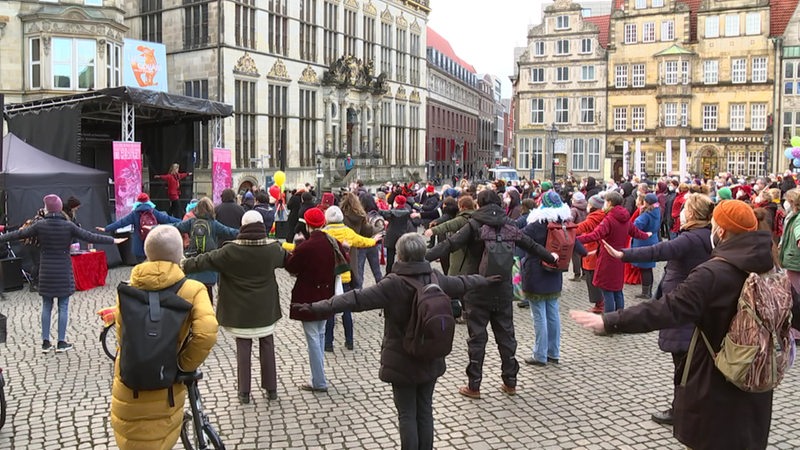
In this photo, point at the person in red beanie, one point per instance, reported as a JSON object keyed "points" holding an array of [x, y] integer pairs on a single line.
{"points": [[327, 201], [710, 413], [173, 179], [400, 220], [143, 205]]}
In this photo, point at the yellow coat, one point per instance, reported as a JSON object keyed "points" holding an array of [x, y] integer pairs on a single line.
{"points": [[343, 233], [148, 422]]}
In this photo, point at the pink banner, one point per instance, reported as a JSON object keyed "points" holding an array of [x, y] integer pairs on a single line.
{"points": [[127, 175], [221, 178]]}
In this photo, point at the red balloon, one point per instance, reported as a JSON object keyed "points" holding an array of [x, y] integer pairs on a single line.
{"points": [[275, 191]]}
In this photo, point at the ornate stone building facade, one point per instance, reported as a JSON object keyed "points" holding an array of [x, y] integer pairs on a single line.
{"points": [[310, 81], [561, 84], [786, 35]]}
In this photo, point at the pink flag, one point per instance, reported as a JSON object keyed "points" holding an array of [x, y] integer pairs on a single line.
{"points": [[127, 175], [221, 178]]}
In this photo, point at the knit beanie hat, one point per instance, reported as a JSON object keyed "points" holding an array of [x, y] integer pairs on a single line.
{"points": [[52, 203], [596, 202], [430, 188], [164, 243], [551, 200], [735, 216], [546, 186], [252, 217], [400, 200], [578, 196], [143, 198], [651, 198], [725, 193], [327, 200], [249, 195], [314, 218], [334, 215]]}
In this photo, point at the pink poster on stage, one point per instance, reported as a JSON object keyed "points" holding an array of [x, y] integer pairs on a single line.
{"points": [[221, 178], [127, 175]]}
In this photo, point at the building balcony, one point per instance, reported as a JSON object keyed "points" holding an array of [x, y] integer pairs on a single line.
{"points": [[674, 90]]}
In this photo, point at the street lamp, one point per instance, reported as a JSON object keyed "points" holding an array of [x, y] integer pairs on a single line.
{"points": [[552, 136], [319, 168], [767, 142], [454, 158]]}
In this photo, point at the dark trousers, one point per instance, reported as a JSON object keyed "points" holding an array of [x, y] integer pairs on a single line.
{"points": [[389, 259], [347, 322], [576, 264], [678, 360], [175, 209], [414, 403], [595, 296], [502, 320], [647, 277], [266, 356]]}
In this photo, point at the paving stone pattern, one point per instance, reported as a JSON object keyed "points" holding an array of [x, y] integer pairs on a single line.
{"points": [[599, 397]]}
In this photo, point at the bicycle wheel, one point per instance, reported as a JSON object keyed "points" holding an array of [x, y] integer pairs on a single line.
{"points": [[108, 337], [189, 438], [3, 405]]}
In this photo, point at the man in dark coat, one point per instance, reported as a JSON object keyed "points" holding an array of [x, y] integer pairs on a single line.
{"points": [[492, 304], [400, 220], [228, 212], [591, 187], [710, 412], [142, 204], [293, 206]]}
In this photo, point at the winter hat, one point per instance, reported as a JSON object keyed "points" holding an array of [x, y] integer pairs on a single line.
{"points": [[327, 201], [400, 200], [735, 216], [551, 200], [651, 198], [249, 196], [578, 196], [746, 189], [314, 218], [596, 202], [430, 188], [252, 217], [52, 203], [164, 243], [334, 215], [72, 203], [546, 186], [725, 193], [143, 198]]}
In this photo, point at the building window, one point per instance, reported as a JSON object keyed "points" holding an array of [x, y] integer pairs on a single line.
{"points": [[737, 116], [330, 46], [93, 2], [369, 39], [195, 27], [416, 61], [350, 35], [593, 155], [562, 74], [621, 119], [667, 30], [640, 4], [414, 126], [246, 23], [587, 73], [709, 117], [562, 22], [712, 26], [538, 49], [661, 163], [649, 32], [562, 47], [671, 72], [755, 163], [637, 115], [638, 75], [73, 63], [386, 50], [400, 134], [386, 131], [732, 25], [630, 33], [244, 108], [562, 110], [151, 20], [587, 109], [658, 3], [537, 75], [739, 70], [759, 70], [578, 154], [199, 89], [308, 127], [684, 114], [113, 64], [789, 76], [670, 114], [685, 72], [524, 154], [537, 110], [586, 45], [752, 23], [758, 116], [538, 153], [278, 114], [736, 162], [308, 31], [710, 71], [788, 129], [35, 66], [400, 55], [621, 76]]}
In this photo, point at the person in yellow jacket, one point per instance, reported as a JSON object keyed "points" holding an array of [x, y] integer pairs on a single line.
{"points": [[147, 421], [348, 238]]}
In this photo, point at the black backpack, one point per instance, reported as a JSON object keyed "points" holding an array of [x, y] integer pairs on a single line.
{"points": [[431, 326], [201, 238], [499, 245], [150, 324]]}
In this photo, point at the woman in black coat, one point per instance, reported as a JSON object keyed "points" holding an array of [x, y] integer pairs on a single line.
{"points": [[55, 235], [412, 379], [293, 206]]}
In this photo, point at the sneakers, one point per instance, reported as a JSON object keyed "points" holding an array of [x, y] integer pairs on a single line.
{"points": [[63, 346], [467, 392], [309, 388], [533, 362], [508, 390], [46, 347], [552, 360]]}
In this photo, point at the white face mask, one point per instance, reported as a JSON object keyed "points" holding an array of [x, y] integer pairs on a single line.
{"points": [[683, 216], [787, 206]]}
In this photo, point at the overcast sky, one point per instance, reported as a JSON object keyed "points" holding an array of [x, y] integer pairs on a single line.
{"points": [[484, 33]]}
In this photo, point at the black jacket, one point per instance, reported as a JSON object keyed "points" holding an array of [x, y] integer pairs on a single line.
{"points": [[709, 412], [399, 222], [293, 206], [229, 214]]}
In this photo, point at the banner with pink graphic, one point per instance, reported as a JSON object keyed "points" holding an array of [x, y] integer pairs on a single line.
{"points": [[221, 178], [127, 175]]}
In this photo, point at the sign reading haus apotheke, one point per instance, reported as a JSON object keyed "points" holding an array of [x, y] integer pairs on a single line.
{"points": [[730, 139]]}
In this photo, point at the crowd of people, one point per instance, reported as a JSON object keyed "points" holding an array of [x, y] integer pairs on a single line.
{"points": [[491, 241]]}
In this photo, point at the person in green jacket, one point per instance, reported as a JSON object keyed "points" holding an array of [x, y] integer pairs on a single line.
{"points": [[789, 247], [459, 263]]}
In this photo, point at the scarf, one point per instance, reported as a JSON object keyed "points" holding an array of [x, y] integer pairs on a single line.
{"points": [[340, 262], [252, 232]]}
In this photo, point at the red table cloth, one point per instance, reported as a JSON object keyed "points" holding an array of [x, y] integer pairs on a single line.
{"points": [[89, 269]]}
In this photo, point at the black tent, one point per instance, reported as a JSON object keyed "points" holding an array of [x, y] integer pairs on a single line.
{"points": [[29, 174]]}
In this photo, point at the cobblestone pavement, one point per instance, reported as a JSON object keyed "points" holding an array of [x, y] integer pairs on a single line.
{"points": [[599, 397]]}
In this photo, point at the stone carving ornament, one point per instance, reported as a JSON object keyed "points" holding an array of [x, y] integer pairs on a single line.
{"points": [[309, 76], [349, 72], [246, 65], [279, 71]]}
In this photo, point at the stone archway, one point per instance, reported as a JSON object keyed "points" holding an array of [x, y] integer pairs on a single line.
{"points": [[706, 161], [246, 183]]}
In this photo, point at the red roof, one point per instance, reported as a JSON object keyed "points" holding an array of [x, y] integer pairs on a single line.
{"points": [[603, 23], [441, 44], [781, 12]]}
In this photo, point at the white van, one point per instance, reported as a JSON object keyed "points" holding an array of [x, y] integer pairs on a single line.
{"points": [[504, 173]]}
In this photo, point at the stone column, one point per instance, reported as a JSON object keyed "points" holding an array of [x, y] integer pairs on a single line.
{"points": [[343, 127]]}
